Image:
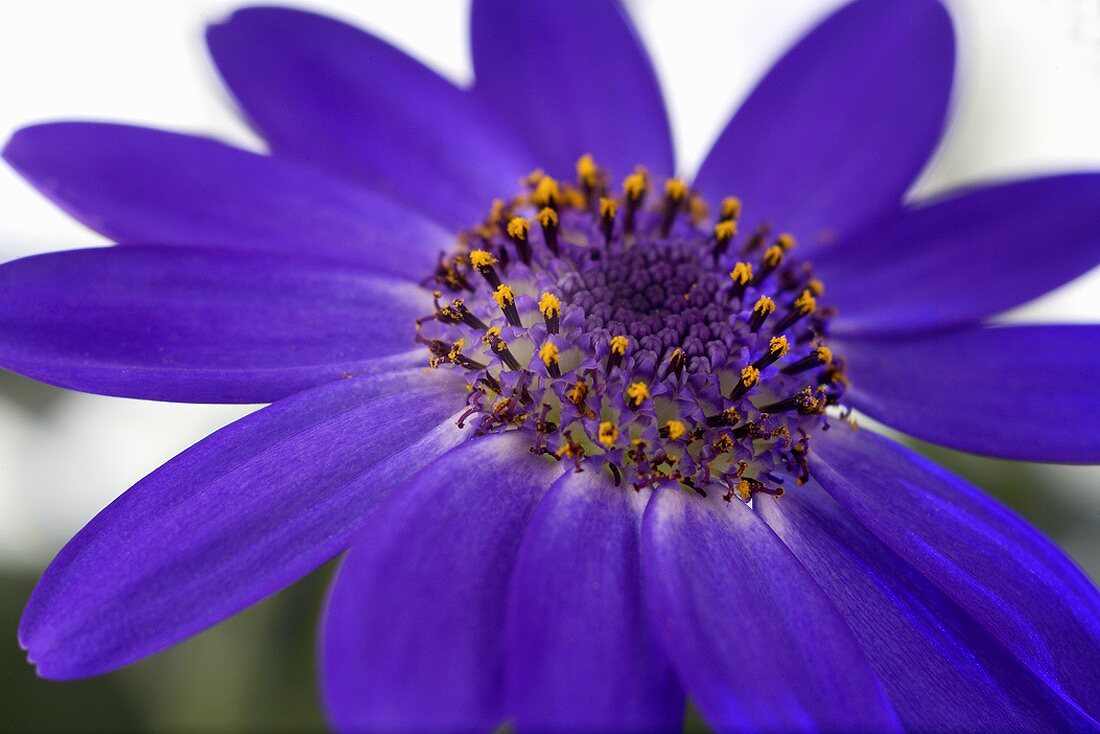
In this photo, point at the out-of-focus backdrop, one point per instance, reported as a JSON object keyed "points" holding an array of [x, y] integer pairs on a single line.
{"points": [[1026, 102]]}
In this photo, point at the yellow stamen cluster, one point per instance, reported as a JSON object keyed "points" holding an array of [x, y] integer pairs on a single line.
{"points": [[779, 345], [481, 259], [634, 186], [824, 354], [504, 296], [608, 207], [676, 429], [764, 306], [549, 305], [741, 273], [731, 208], [548, 353], [587, 172], [619, 345], [806, 303], [608, 433], [786, 241], [725, 230], [773, 256], [675, 189], [547, 217], [518, 228], [637, 393], [750, 376], [546, 193]]}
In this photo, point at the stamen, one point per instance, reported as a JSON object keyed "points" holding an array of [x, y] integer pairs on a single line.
{"points": [[750, 375], [820, 356], [635, 187], [741, 275], [804, 401], [731, 209], [804, 306], [777, 349], [550, 308], [618, 351], [546, 193], [773, 256], [506, 299], [675, 193], [760, 312], [608, 207], [483, 262], [608, 433], [548, 353], [724, 232], [518, 229], [548, 220], [636, 394]]}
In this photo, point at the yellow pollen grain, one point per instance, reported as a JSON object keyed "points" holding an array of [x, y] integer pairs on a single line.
{"points": [[675, 189], [481, 259], [731, 207], [806, 303], [608, 433], [786, 241], [634, 186], [547, 217], [773, 256], [549, 305], [608, 207], [587, 172], [824, 354], [750, 376], [725, 230], [779, 345], [638, 392], [619, 345], [504, 296], [546, 192], [741, 273], [676, 429], [548, 353], [518, 227], [764, 305]]}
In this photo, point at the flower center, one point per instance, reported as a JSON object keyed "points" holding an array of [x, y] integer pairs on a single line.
{"points": [[626, 330]]}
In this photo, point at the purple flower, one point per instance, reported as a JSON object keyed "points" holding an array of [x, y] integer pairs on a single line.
{"points": [[586, 441]]}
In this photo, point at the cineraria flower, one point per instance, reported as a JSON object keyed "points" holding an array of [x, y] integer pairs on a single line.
{"points": [[584, 425]]}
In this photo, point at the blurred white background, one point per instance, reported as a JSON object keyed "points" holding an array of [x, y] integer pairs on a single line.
{"points": [[1027, 101]]}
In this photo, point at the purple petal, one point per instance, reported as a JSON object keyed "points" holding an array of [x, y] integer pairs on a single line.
{"points": [[413, 637], [838, 129], [200, 324], [757, 644], [581, 653], [574, 78], [1021, 392], [341, 99], [236, 517], [135, 184], [942, 671], [963, 258], [988, 561]]}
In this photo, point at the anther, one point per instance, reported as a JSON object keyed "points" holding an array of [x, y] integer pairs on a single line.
{"points": [[760, 312], [588, 176], [483, 263], [820, 356], [546, 193], [724, 232], [757, 239], [500, 347], [518, 230], [773, 257], [750, 375], [506, 299], [785, 241], [608, 208], [804, 401], [741, 275], [548, 220], [456, 312], [675, 193], [777, 349], [548, 353], [676, 362], [730, 210], [618, 351], [608, 433], [636, 394], [673, 429], [550, 308], [805, 305], [634, 188], [728, 417]]}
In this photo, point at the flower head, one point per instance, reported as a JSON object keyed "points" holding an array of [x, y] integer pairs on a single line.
{"points": [[586, 431]]}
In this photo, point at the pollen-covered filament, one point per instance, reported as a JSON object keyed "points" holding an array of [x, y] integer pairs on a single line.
{"points": [[630, 329]]}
